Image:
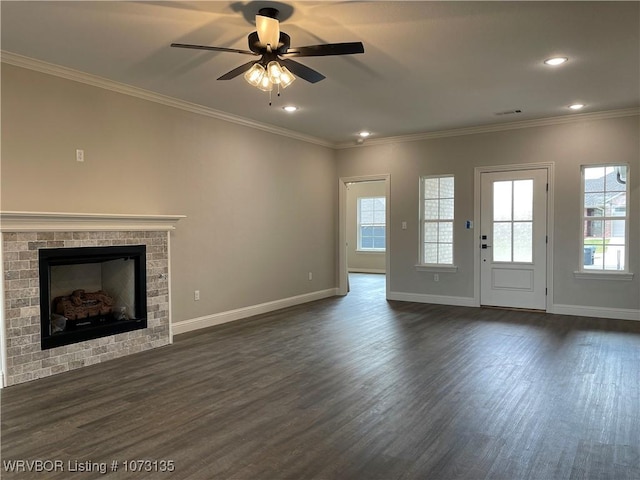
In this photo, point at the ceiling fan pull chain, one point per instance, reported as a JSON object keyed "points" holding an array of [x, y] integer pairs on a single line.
{"points": [[269, 97]]}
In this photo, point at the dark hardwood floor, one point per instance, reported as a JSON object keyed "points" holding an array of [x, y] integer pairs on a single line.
{"points": [[350, 388]]}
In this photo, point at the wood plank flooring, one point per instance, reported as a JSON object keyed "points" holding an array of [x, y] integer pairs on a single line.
{"points": [[350, 388]]}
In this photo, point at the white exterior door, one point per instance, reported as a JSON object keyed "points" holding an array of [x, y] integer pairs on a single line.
{"points": [[513, 239]]}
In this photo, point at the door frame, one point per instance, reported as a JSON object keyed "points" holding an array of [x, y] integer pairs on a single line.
{"points": [[343, 270], [478, 171]]}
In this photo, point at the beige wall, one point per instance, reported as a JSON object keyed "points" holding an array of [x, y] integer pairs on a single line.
{"points": [[358, 261], [568, 146], [260, 207]]}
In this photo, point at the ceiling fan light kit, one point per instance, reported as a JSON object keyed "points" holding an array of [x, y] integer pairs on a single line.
{"points": [[254, 75], [275, 66]]}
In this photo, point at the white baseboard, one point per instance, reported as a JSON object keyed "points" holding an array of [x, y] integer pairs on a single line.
{"points": [[436, 299], [599, 312], [223, 317], [574, 310], [366, 270]]}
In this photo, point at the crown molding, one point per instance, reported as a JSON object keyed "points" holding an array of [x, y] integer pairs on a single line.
{"points": [[499, 127], [101, 82], [76, 222]]}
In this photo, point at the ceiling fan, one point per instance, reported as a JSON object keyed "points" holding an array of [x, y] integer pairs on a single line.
{"points": [[275, 66]]}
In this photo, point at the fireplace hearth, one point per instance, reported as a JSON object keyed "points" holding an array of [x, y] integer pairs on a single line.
{"points": [[91, 292]]}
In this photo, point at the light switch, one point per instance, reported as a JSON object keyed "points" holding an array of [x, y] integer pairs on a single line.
{"points": [[404, 225]]}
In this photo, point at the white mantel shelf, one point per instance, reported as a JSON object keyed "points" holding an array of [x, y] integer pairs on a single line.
{"points": [[75, 222]]}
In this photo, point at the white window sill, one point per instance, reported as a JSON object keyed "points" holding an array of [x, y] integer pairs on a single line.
{"points": [[437, 268], [370, 251], [603, 275]]}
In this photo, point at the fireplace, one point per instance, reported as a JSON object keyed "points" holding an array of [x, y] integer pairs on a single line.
{"points": [[91, 292], [23, 354]]}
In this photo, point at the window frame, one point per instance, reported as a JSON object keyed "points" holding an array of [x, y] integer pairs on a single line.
{"points": [[603, 273], [359, 224], [435, 267]]}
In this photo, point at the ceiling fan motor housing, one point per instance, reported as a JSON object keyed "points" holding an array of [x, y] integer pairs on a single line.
{"points": [[269, 12]]}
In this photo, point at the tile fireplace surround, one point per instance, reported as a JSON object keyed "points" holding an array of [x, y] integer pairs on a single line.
{"points": [[23, 233]]}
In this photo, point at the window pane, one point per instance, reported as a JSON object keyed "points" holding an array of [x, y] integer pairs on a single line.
{"points": [[615, 204], [431, 209], [431, 188], [523, 200], [366, 204], [378, 242], [593, 228], [437, 217], [430, 253], [431, 232], [446, 187], [502, 242], [614, 257], [372, 222], [594, 179], [366, 216], [523, 242], [446, 209], [594, 204], [445, 232], [619, 210], [616, 229], [605, 196], [615, 178], [502, 200], [445, 253], [592, 253]]}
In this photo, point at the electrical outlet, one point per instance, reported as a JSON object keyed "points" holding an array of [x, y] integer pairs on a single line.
{"points": [[310, 276], [436, 277], [196, 295], [79, 155]]}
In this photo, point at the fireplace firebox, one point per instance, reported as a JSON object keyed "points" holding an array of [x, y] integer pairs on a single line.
{"points": [[91, 292]]}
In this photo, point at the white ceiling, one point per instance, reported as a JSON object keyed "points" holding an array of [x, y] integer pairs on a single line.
{"points": [[427, 66]]}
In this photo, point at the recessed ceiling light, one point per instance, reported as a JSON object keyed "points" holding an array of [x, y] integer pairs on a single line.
{"points": [[290, 108], [576, 106], [364, 134], [555, 61]]}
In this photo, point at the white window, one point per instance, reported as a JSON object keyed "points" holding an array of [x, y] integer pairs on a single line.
{"points": [[372, 224], [436, 214], [605, 218], [513, 221]]}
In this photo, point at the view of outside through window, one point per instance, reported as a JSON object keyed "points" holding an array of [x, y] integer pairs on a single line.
{"points": [[437, 213], [371, 223], [513, 221], [604, 210]]}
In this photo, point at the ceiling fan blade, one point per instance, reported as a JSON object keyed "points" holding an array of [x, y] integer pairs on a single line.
{"points": [[348, 48], [213, 49], [268, 31], [302, 71], [237, 71]]}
